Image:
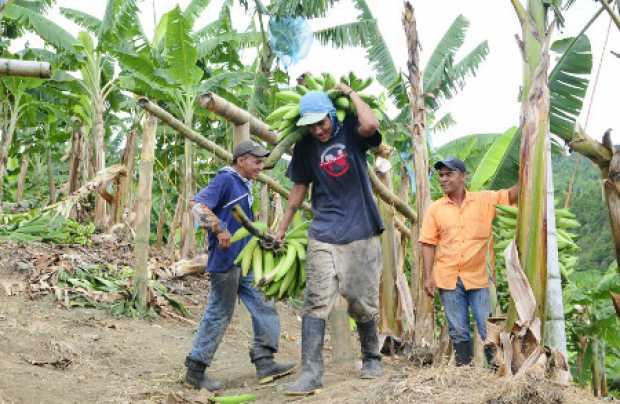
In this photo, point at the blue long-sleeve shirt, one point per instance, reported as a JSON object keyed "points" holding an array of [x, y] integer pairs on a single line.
{"points": [[227, 189]]}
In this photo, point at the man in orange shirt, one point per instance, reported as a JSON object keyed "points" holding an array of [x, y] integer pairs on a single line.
{"points": [[455, 236]]}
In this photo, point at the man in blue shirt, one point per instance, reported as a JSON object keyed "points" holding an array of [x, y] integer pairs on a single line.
{"points": [[212, 208], [344, 254]]}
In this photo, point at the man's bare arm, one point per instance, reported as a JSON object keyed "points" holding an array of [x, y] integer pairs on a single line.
{"points": [[513, 194], [295, 199], [428, 258]]}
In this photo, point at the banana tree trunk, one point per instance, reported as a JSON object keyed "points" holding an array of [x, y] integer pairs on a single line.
{"points": [[75, 160], [7, 139], [599, 378], [188, 238], [534, 123], [21, 179], [612, 194], [176, 219], [424, 319], [388, 315], [161, 220], [50, 176], [123, 184], [143, 219], [555, 331], [98, 132], [571, 182]]}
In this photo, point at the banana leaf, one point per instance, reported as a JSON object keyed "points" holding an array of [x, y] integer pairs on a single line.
{"points": [[492, 160]]}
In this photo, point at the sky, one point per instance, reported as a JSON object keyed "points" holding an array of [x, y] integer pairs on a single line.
{"points": [[488, 103]]}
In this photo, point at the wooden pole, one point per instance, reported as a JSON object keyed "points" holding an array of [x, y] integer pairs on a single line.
{"points": [[143, 218], [25, 68], [241, 133], [213, 147], [237, 116]]}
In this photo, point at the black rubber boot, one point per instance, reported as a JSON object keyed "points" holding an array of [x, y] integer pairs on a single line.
{"points": [[311, 378], [267, 370], [462, 353], [371, 356], [196, 377], [489, 354]]}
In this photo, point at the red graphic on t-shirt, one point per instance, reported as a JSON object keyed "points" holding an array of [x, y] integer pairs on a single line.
{"points": [[334, 160]]}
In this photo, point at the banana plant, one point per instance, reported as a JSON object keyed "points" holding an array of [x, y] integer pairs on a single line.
{"points": [[592, 330], [15, 98]]}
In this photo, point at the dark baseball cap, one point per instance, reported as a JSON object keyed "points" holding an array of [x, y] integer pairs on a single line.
{"points": [[250, 147], [452, 163]]}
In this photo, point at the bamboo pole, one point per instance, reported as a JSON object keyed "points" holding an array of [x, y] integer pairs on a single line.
{"points": [[213, 147], [25, 68], [237, 116], [425, 322], [143, 218]]}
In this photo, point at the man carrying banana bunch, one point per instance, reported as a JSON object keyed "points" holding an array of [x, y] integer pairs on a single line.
{"points": [[212, 209], [455, 237], [344, 255]]}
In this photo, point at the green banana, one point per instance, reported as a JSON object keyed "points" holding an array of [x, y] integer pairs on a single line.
{"points": [[288, 96]]}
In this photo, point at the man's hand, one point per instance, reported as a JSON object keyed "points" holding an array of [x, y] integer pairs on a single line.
{"points": [[223, 239], [430, 287], [278, 239], [343, 88]]}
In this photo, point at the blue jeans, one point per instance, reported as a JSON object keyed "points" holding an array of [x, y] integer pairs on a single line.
{"points": [[456, 305], [225, 287]]}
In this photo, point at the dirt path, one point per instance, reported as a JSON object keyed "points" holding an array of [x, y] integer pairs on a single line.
{"points": [[49, 354]]}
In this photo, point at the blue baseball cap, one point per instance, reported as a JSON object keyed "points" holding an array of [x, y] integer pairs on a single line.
{"points": [[452, 163], [313, 107]]}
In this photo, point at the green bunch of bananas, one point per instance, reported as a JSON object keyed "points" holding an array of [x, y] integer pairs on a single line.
{"points": [[280, 272], [284, 118], [504, 232]]}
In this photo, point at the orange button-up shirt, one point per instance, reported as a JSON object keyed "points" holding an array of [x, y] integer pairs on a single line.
{"points": [[462, 236]]}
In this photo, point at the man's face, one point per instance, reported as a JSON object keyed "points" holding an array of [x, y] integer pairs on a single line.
{"points": [[322, 130], [451, 180], [250, 166]]}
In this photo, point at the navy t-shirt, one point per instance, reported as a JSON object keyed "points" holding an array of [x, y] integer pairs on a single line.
{"points": [[342, 201], [226, 190]]}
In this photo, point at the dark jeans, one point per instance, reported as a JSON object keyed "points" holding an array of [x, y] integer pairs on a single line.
{"points": [[225, 287], [456, 305]]}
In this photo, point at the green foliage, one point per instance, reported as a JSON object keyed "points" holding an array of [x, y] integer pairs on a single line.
{"points": [[568, 83], [590, 315], [442, 76], [587, 202]]}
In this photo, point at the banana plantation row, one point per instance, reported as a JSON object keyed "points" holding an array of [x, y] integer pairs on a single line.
{"points": [[114, 130]]}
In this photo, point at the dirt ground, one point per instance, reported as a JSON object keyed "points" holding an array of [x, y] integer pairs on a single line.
{"points": [[49, 354]]}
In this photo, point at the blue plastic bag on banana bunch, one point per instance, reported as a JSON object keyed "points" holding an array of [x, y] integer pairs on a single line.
{"points": [[290, 39]]}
